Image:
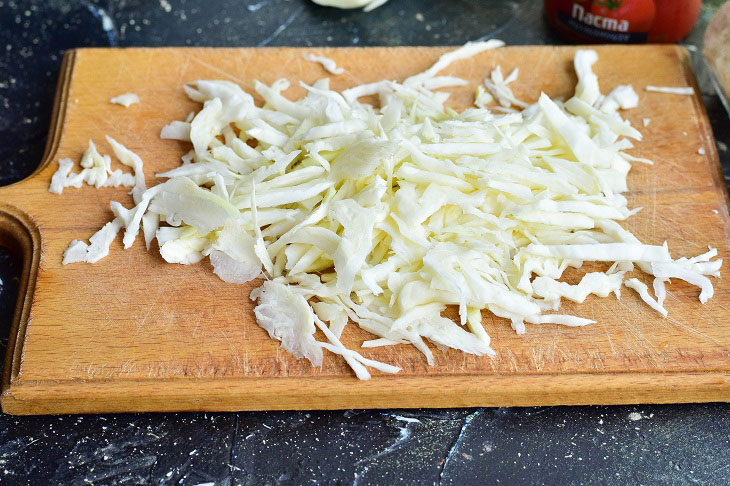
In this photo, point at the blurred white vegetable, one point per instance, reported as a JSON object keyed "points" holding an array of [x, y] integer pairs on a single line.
{"points": [[682, 90], [368, 4], [384, 216], [126, 99]]}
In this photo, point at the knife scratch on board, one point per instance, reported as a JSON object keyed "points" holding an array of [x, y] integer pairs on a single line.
{"points": [[217, 70], [152, 306], [610, 342], [538, 363], [182, 72], [236, 353], [632, 326]]}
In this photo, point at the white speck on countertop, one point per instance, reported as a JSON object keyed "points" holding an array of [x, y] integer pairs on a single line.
{"points": [[406, 419], [716, 211], [106, 21], [419, 17], [165, 5], [634, 416], [646, 121], [256, 6], [701, 151]]}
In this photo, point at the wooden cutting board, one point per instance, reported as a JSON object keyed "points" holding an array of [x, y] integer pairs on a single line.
{"points": [[133, 333]]}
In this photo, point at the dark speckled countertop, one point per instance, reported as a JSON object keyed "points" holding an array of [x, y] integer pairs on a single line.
{"points": [[675, 444]]}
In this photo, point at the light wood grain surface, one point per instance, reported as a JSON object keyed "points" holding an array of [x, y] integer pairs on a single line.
{"points": [[132, 333]]}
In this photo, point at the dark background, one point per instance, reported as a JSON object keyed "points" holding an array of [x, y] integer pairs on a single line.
{"points": [[678, 444]]}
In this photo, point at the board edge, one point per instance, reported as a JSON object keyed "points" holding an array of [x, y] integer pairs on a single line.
{"points": [[21, 236], [325, 393]]}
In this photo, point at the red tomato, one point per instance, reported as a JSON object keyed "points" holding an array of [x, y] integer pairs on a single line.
{"points": [[638, 13], [625, 21], [674, 19]]}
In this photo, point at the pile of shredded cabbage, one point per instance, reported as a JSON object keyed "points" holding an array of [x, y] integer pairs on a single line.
{"points": [[383, 216]]}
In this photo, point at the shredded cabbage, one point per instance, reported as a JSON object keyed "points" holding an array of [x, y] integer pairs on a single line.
{"points": [[96, 172], [497, 86], [683, 90], [328, 64], [126, 99], [384, 216]]}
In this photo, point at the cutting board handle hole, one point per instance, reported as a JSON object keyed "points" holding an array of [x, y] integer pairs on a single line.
{"points": [[58, 116], [20, 235]]}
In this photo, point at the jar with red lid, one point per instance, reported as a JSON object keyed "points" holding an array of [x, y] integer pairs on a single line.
{"points": [[623, 21]]}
